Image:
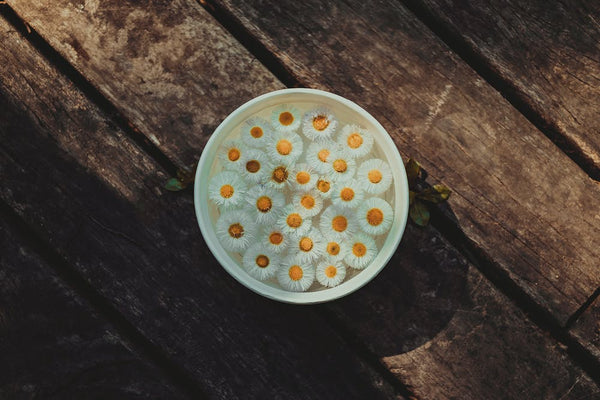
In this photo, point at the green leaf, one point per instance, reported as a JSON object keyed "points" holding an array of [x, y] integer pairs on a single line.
{"points": [[419, 213], [175, 185], [436, 194], [413, 169]]}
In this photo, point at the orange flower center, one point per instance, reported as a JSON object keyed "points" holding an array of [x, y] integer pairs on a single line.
{"points": [[264, 204], [295, 273], [323, 186], [355, 140], [284, 147], [340, 166], [375, 176], [307, 201], [294, 220], [359, 249], [320, 122], [233, 154], [262, 261], [256, 132], [347, 194], [306, 244], [252, 166], [280, 174], [226, 191], [323, 154], [303, 177], [339, 223], [236, 231], [333, 248], [374, 216], [286, 118], [276, 238], [331, 271]]}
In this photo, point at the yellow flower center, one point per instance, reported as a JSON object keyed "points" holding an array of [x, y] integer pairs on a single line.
{"points": [[330, 271], [264, 204], [374, 216], [355, 140], [340, 165], [323, 186], [323, 154], [339, 223], [294, 220], [286, 118], [333, 248], [359, 249], [307, 201], [262, 261], [303, 177], [236, 231], [252, 166], [233, 154], [347, 194], [306, 244], [284, 147], [280, 174], [226, 191], [276, 238], [295, 273], [375, 176], [256, 132], [320, 122]]}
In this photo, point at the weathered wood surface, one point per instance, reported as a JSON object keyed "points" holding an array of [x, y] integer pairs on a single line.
{"points": [[53, 345], [143, 251], [538, 225], [93, 195], [447, 333], [546, 52], [172, 70], [586, 329]]}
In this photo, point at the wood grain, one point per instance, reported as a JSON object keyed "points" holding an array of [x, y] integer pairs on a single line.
{"points": [[447, 333], [90, 193], [547, 53], [54, 345], [586, 330], [537, 224]]}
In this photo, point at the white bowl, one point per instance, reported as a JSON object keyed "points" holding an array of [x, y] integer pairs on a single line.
{"points": [[206, 212]]}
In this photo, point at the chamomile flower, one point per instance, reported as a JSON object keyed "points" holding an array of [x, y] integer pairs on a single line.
{"points": [[309, 246], [337, 223], [330, 273], [294, 275], [375, 176], [278, 176], [335, 250], [266, 203], [303, 177], [230, 154], [227, 189], [317, 155], [362, 251], [356, 141], [256, 132], [260, 262], [255, 166], [236, 230], [375, 216], [341, 167], [284, 147], [347, 194], [324, 186], [309, 203], [274, 238], [286, 118], [291, 221], [319, 124]]}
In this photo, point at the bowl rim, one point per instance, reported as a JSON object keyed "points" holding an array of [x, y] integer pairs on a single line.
{"points": [[233, 268]]}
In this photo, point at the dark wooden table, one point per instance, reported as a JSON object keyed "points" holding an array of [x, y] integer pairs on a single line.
{"points": [[108, 291]]}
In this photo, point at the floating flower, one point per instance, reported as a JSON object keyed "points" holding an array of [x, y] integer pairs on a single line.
{"points": [[227, 189], [309, 246], [255, 166], [291, 221], [357, 141], [341, 166], [323, 186], [319, 124], [286, 118], [295, 275], [284, 147], [260, 262], [347, 194], [362, 251], [374, 176], [236, 230], [337, 223], [303, 178], [330, 273], [317, 155], [256, 132], [274, 239], [309, 203], [278, 176], [335, 250], [266, 204], [230, 154], [375, 216]]}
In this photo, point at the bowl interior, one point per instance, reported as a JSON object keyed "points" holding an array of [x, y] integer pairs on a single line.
{"points": [[384, 148]]}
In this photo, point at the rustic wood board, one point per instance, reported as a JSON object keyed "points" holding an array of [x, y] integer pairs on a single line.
{"points": [[91, 194], [586, 330], [536, 224], [447, 333], [546, 52], [172, 70], [54, 345]]}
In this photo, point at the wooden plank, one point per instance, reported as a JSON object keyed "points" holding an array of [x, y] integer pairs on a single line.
{"points": [[521, 203], [447, 333], [54, 345], [586, 330], [89, 192], [546, 53], [172, 69]]}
